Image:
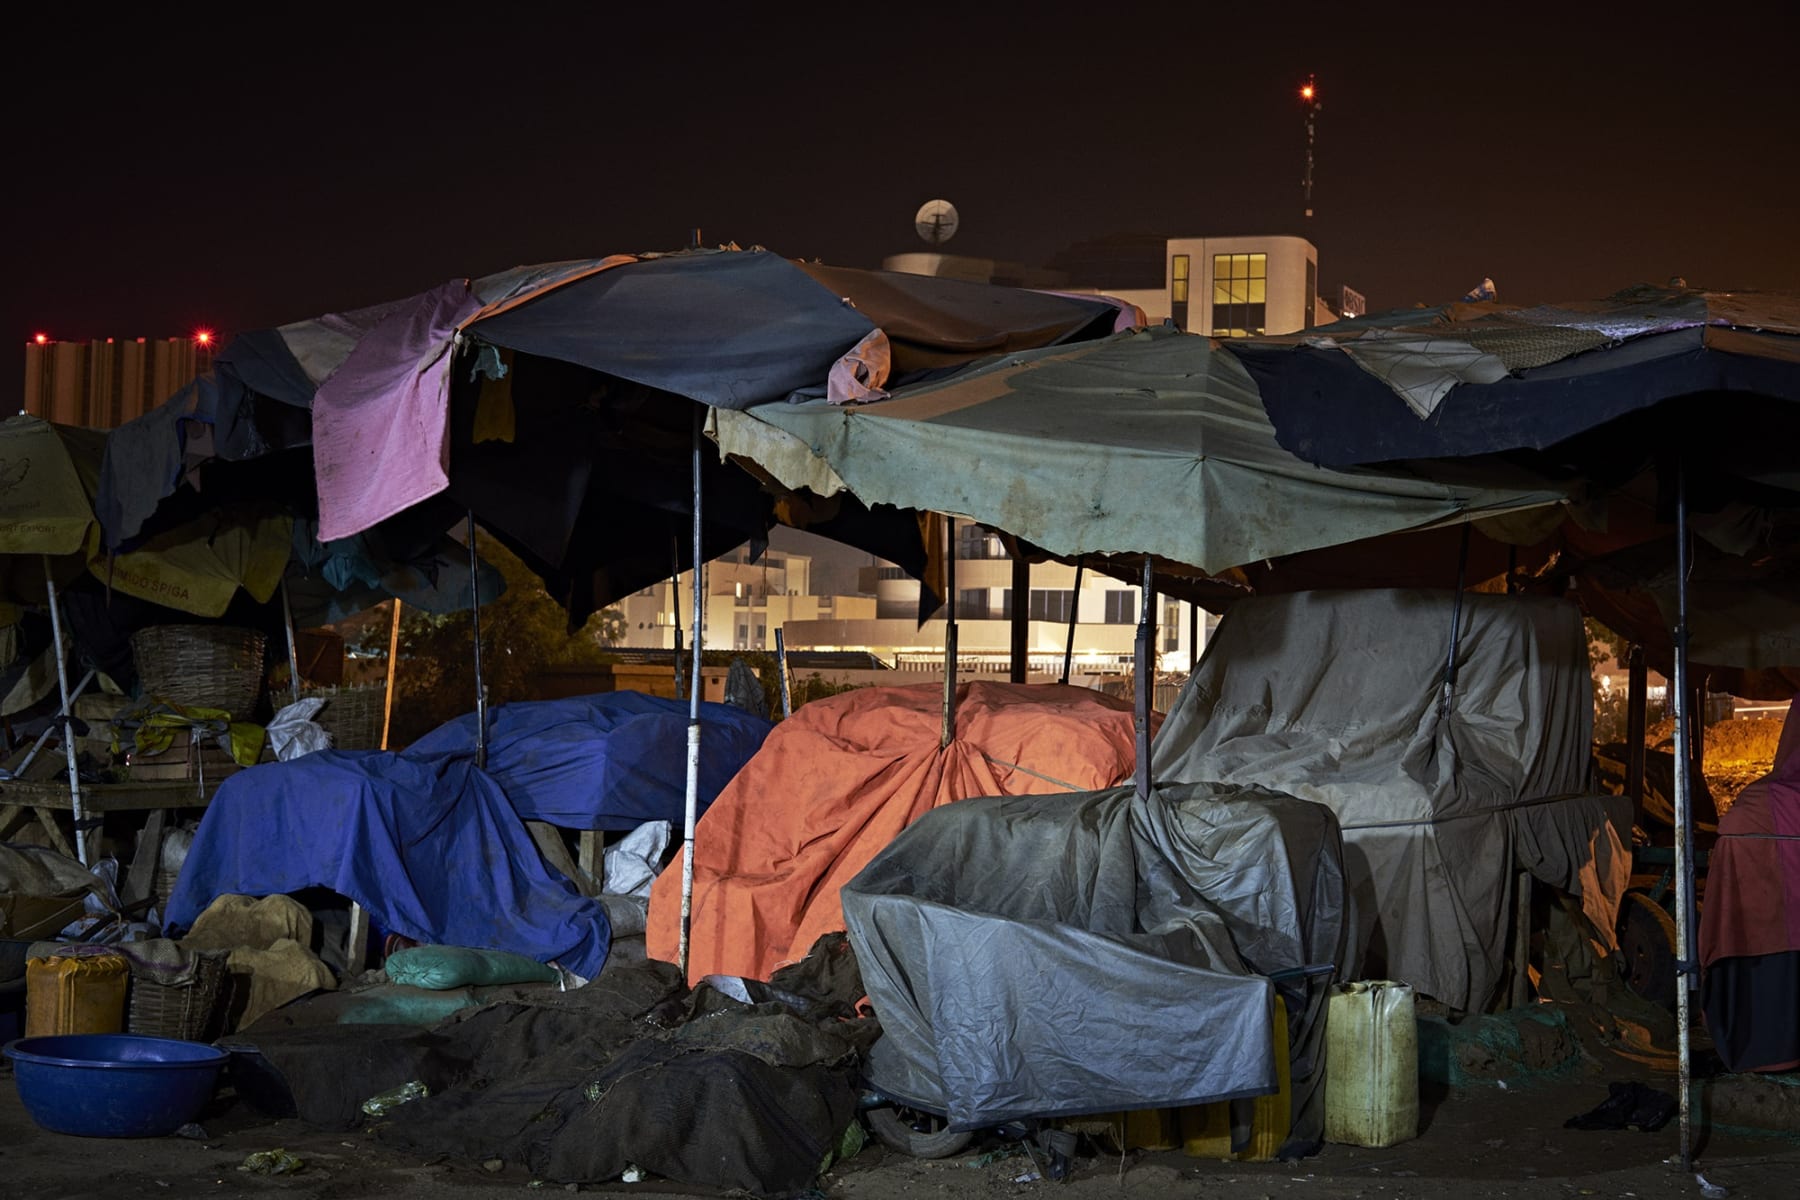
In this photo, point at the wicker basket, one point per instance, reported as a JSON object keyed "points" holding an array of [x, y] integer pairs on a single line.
{"points": [[352, 715], [201, 666], [184, 1011]]}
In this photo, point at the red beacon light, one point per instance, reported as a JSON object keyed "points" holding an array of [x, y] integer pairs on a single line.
{"points": [[42, 339], [203, 337]]}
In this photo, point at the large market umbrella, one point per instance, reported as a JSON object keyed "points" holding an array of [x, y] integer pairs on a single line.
{"points": [[1144, 443], [1696, 392]]}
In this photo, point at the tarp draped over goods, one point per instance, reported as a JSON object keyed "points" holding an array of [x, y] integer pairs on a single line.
{"points": [[1149, 442], [1064, 954], [1750, 924], [1335, 697], [436, 849], [838, 780]]}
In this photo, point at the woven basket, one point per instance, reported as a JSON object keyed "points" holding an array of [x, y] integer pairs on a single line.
{"points": [[352, 715], [182, 1011], [201, 666]]}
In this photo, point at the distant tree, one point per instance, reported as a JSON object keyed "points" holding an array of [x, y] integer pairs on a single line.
{"points": [[522, 632], [611, 626]]}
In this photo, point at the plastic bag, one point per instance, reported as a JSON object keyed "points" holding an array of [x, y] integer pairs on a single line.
{"points": [[293, 732]]}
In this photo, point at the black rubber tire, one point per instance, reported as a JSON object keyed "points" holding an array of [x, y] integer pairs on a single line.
{"points": [[1647, 949], [897, 1129]]}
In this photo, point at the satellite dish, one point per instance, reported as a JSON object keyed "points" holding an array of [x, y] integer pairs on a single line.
{"points": [[936, 221]]}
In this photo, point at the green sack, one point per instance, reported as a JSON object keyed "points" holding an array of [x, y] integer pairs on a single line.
{"points": [[444, 967]]}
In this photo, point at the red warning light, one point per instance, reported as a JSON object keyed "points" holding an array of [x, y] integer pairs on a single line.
{"points": [[1307, 90], [41, 338], [204, 337]]}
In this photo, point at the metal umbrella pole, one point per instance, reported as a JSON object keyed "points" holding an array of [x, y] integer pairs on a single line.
{"points": [[1684, 823], [1074, 612], [65, 716], [949, 633], [690, 813], [475, 627], [1146, 680], [287, 627], [787, 693]]}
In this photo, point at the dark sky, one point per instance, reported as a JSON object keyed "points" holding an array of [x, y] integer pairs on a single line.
{"points": [[178, 167]]}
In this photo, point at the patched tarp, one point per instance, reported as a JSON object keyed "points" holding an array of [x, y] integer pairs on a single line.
{"points": [[1150, 442], [1056, 955], [839, 780], [1339, 698]]}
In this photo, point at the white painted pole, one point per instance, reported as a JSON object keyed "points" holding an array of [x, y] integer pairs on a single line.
{"points": [[66, 716], [695, 687]]}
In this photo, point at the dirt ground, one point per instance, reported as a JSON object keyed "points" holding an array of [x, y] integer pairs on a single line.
{"points": [[1481, 1140]]}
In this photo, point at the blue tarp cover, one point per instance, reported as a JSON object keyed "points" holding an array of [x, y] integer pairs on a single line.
{"points": [[436, 849], [607, 761]]}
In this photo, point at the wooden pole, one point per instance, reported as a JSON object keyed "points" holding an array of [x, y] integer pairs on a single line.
{"points": [[393, 672]]}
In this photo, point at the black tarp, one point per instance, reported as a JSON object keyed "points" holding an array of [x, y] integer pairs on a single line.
{"points": [[1056, 955]]}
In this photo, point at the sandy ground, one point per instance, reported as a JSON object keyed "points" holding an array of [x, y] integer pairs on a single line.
{"points": [[1479, 1141]]}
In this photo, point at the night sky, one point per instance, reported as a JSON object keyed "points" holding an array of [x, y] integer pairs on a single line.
{"points": [[178, 168]]}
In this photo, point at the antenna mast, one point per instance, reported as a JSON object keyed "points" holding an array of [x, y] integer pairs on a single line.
{"points": [[1309, 93]]}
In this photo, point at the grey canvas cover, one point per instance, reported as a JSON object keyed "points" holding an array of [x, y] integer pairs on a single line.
{"points": [[1054, 955], [1338, 697]]}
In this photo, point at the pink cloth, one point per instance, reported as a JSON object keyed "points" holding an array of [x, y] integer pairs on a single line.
{"points": [[381, 421], [1753, 880]]}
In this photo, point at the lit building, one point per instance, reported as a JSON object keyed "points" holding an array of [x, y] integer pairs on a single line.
{"points": [[1217, 286], [746, 602], [104, 383]]}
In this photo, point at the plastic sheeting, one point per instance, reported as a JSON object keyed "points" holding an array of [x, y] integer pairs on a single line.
{"points": [[437, 850], [1337, 697], [608, 761], [430, 847], [838, 780], [1058, 955]]}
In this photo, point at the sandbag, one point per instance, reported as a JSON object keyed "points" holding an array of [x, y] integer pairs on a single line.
{"points": [[441, 968]]}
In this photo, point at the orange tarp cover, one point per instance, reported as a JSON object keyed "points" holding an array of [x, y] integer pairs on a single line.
{"points": [[839, 779]]}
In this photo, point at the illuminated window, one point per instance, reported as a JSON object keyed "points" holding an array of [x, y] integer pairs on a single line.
{"points": [[1240, 294], [1178, 290]]}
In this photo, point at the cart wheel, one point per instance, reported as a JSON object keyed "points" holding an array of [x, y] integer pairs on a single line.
{"points": [[912, 1131], [1647, 945]]}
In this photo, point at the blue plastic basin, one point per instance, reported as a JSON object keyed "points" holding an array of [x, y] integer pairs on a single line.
{"points": [[114, 1084]]}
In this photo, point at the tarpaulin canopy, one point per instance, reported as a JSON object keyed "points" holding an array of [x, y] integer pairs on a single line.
{"points": [[47, 478], [1150, 442], [1472, 379], [552, 402], [1442, 794], [1055, 955], [841, 778], [435, 848]]}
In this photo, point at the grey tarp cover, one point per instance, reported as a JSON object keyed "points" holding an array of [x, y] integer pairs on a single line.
{"points": [[1063, 954], [1090, 449], [1335, 697]]}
